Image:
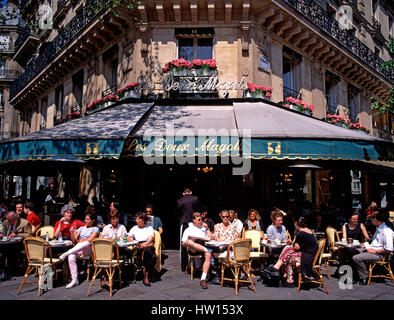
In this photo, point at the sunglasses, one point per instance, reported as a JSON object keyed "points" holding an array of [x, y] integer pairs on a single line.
{"points": [[225, 217]]}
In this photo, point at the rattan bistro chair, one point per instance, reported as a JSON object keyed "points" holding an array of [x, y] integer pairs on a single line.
{"points": [[105, 255], [315, 268], [256, 236], [238, 260], [35, 249], [384, 263], [191, 256], [42, 232]]}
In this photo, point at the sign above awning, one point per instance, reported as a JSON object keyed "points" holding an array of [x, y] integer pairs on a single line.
{"points": [[97, 136]]}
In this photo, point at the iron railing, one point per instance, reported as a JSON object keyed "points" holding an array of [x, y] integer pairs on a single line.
{"points": [[287, 92], [70, 31], [111, 90], [321, 19]]}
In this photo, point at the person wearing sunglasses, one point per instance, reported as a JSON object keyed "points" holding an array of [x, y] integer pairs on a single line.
{"points": [[192, 239], [225, 231]]}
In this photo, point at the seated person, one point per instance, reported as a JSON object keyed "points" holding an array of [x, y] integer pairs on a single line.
{"points": [[114, 229], [253, 221], [83, 236], [303, 250], [145, 234], [30, 215], [319, 224], [276, 230], [207, 223], [354, 230], [157, 224], [225, 231], [234, 220], [382, 242], [99, 219], [67, 224], [13, 226], [196, 230]]}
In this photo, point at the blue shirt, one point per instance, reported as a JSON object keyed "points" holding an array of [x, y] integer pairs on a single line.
{"points": [[277, 233], [85, 232]]}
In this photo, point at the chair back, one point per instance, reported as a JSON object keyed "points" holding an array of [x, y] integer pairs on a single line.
{"points": [[319, 253], [42, 232], [332, 234], [255, 236], [158, 250], [103, 250], [288, 235], [241, 249], [35, 250]]}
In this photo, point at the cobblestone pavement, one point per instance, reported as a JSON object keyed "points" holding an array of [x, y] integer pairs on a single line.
{"points": [[175, 285]]}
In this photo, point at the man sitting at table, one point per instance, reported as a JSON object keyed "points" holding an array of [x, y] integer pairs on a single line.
{"points": [[382, 242], [115, 228], [191, 238], [14, 226]]}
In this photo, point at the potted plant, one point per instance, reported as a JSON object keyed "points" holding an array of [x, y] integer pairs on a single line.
{"points": [[299, 105], [101, 103], [70, 116], [130, 91], [198, 67], [258, 92]]}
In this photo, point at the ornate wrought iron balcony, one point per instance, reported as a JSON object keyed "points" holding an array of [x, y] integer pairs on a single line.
{"points": [[111, 90], [321, 19], [287, 92], [70, 31]]}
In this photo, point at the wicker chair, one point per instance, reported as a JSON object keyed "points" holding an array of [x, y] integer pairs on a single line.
{"points": [[385, 263], [191, 256], [42, 231], [158, 251], [332, 237], [105, 255], [316, 268], [256, 236], [239, 261], [35, 249]]}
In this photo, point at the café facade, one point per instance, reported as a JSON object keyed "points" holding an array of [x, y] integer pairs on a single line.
{"points": [[247, 102]]}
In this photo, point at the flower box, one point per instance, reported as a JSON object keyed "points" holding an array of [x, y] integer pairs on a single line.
{"points": [[299, 105], [101, 103], [197, 67], [344, 122], [258, 92], [130, 91]]}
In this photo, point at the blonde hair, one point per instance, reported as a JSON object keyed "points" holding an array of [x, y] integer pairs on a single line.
{"points": [[221, 213], [233, 212], [258, 218]]}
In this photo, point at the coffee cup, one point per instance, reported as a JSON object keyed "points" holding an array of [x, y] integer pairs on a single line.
{"points": [[343, 240], [349, 240]]}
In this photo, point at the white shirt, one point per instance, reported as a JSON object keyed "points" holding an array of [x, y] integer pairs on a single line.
{"points": [[109, 231], [239, 225], [141, 234], [193, 231], [382, 239]]}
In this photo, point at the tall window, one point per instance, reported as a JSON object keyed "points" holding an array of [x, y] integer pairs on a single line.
{"points": [[43, 113], [332, 81], [2, 69], [1, 99], [78, 87], [110, 61], [59, 96], [291, 73], [4, 40], [195, 43], [353, 98]]}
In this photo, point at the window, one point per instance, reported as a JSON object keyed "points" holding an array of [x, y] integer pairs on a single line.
{"points": [[110, 61], [4, 40], [377, 51], [1, 100], [43, 113], [2, 69], [332, 81], [78, 88], [59, 101], [195, 43], [353, 99], [291, 73]]}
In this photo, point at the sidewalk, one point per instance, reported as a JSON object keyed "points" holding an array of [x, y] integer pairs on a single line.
{"points": [[175, 285]]}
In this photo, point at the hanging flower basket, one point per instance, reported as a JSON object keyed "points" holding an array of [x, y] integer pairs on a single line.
{"points": [[258, 92], [299, 105]]}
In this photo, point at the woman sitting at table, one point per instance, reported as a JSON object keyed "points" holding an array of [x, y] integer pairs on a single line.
{"points": [[253, 221], [83, 236], [66, 223], [145, 234], [351, 230], [225, 231], [115, 228], [303, 250], [276, 230]]}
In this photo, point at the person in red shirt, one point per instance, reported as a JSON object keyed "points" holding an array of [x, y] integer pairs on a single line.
{"points": [[30, 215], [67, 224]]}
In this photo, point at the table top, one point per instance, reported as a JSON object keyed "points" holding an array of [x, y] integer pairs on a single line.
{"points": [[56, 243], [216, 244], [127, 244], [273, 245], [343, 244], [10, 241]]}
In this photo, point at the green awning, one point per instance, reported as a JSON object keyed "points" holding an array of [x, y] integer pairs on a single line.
{"points": [[97, 136]]}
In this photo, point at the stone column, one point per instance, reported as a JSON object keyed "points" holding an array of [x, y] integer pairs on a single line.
{"points": [[51, 111], [276, 71], [318, 97], [306, 80]]}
